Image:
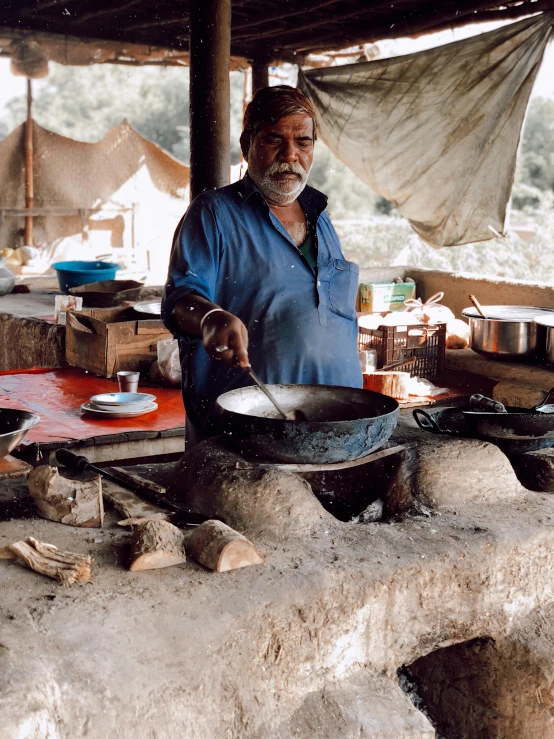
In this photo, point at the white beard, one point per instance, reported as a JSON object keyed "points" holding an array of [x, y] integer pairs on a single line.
{"points": [[278, 191]]}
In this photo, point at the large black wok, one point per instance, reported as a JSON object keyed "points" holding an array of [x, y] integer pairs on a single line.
{"points": [[341, 424]]}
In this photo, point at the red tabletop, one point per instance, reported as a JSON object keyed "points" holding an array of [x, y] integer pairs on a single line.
{"points": [[57, 395]]}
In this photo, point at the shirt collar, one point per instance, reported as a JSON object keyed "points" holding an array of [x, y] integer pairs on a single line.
{"points": [[312, 201]]}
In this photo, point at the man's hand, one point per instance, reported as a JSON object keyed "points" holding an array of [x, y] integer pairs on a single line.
{"points": [[223, 329]]}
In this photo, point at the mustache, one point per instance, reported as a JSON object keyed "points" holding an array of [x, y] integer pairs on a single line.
{"points": [[286, 168]]}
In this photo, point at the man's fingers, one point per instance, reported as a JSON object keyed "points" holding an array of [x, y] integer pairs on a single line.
{"points": [[239, 345]]}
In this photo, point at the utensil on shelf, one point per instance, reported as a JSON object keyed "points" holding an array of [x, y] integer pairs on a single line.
{"points": [[477, 305], [401, 363]]}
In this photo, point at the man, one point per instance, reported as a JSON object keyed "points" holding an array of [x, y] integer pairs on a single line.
{"points": [[256, 273]]}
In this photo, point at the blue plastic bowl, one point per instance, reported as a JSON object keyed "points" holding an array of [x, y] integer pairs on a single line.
{"points": [[73, 274]]}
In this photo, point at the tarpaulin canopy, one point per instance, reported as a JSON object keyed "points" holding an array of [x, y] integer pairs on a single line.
{"points": [[436, 132]]}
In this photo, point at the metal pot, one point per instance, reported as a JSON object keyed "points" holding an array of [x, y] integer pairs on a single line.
{"points": [[14, 425], [546, 323], [342, 423], [508, 332]]}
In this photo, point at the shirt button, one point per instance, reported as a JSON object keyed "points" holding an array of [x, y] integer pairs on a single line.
{"points": [[318, 283]]}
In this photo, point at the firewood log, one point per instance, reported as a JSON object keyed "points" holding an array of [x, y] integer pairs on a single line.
{"points": [[65, 567], [218, 547], [394, 384], [155, 544], [73, 502]]}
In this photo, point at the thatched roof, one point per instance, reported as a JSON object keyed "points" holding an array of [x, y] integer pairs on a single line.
{"points": [[265, 30]]}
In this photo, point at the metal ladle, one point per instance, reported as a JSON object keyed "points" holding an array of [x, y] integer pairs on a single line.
{"points": [[296, 415]]}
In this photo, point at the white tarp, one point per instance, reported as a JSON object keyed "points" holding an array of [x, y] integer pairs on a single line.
{"points": [[436, 132]]}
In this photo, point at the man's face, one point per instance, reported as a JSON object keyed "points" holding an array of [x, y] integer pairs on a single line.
{"points": [[280, 157]]}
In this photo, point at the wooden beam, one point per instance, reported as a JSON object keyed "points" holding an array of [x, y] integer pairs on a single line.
{"points": [[426, 23], [29, 180], [112, 10], [210, 94]]}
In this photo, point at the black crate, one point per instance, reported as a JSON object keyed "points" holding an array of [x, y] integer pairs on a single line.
{"points": [[427, 343]]}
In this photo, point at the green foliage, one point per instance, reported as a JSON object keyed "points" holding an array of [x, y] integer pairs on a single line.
{"points": [[83, 103], [536, 161]]}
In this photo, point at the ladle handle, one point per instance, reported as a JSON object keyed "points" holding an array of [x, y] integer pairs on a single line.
{"points": [[477, 305], [265, 390]]}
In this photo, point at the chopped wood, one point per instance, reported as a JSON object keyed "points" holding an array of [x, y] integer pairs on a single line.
{"points": [[394, 384], [129, 504], [136, 521], [73, 502], [6, 553], [156, 544], [220, 548], [65, 567]]}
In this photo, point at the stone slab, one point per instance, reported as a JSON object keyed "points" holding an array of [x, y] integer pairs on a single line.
{"points": [[183, 652]]}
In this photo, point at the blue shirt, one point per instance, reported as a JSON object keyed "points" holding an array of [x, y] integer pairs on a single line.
{"points": [[232, 250]]}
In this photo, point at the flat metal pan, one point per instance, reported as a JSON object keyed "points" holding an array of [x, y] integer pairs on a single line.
{"points": [[451, 421], [342, 423], [515, 422]]}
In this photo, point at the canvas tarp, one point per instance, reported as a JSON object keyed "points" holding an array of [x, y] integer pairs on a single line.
{"points": [[121, 170], [436, 132]]}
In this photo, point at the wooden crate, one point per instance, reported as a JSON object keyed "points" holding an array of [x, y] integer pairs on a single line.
{"points": [[107, 340]]}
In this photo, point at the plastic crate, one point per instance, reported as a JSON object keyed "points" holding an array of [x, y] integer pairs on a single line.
{"points": [[427, 343]]}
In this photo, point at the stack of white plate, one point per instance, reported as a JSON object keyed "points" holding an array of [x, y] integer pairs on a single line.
{"points": [[120, 405]]}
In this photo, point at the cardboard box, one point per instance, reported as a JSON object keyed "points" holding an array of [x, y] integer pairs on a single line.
{"points": [[383, 297], [107, 340]]}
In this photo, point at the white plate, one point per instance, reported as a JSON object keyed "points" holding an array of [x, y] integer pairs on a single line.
{"points": [[154, 308], [118, 412], [122, 400]]}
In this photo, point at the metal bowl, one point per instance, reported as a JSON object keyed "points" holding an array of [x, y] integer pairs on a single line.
{"points": [[14, 425], [508, 332], [342, 423]]}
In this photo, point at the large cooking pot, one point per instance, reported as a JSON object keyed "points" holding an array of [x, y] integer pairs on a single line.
{"points": [[508, 332], [14, 425], [342, 423], [545, 321], [522, 422]]}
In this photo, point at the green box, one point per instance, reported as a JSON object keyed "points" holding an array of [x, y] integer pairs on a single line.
{"points": [[381, 297]]}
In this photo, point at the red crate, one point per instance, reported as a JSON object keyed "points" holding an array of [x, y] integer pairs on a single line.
{"points": [[427, 343]]}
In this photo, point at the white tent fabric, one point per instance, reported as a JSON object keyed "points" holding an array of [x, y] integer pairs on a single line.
{"points": [[436, 132]]}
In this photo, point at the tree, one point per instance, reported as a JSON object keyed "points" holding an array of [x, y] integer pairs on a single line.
{"points": [[536, 159], [83, 103]]}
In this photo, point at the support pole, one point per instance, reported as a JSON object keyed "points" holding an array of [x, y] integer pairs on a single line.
{"points": [[260, 76], [29, 184], [210, 94]]}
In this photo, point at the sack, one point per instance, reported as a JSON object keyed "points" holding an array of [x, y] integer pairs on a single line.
{"points": [[169, 363]]}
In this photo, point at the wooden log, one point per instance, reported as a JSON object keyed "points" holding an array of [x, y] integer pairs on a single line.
{"points": [[156, 544], [73, 502], [65, 567], [394, 384], [220, 548], [129, 504]]}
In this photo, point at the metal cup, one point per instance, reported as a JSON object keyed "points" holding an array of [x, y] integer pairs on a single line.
{"points": [[128, 381]]}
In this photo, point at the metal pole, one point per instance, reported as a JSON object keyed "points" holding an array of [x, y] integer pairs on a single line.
{"points": [[260, 76], [29, 184], [210, 94]]}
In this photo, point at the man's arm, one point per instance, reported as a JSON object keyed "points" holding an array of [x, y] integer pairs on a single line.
{"points": [[218, 329]]}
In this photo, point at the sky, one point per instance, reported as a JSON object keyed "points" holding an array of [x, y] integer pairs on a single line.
{"points": [[12, 86]]}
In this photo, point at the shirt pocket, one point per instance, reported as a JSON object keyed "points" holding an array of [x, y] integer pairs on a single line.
{"points": [[343, 287]]}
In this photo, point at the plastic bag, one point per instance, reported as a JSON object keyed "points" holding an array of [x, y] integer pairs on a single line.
{"points": [[169, 363]]}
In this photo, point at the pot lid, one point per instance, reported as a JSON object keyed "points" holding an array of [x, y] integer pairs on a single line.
{"points": [[523, 313], [545, 319]]}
